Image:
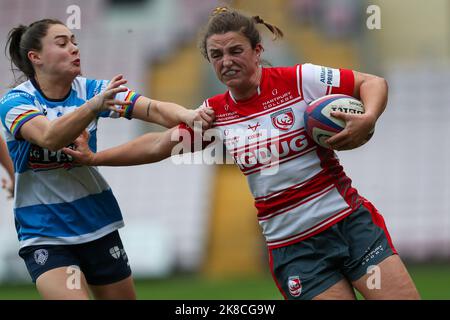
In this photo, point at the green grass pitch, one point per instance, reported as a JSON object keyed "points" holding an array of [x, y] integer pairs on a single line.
{"points": [[433, 282]]}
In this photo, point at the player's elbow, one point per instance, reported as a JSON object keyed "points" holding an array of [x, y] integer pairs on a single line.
{"points": [[378, 81], [373, 84], [383, 83], [384, 88], [51, 143]]}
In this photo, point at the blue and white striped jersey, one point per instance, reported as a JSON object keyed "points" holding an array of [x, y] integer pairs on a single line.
{"points": [[57, 202]]}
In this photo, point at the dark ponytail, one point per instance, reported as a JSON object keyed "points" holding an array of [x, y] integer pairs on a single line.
{"points": [[15, 54], [22, 40]]}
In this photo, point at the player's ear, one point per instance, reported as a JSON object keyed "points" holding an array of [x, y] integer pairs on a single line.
{"points": [[34, 57], [258, 51]]}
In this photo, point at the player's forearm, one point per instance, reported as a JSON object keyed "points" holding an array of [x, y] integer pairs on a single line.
{"points": [[374, 95], [149, 148], [169, 114], [64, 130], [6, 161], [9, 167]]}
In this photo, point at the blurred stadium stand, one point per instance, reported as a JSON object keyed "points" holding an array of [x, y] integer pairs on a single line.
{"points": [[183, 217]]}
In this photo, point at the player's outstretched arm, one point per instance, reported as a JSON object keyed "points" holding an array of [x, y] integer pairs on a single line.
{"points": [[169, 114], [373, 92], [58, 133], [148, 148]]}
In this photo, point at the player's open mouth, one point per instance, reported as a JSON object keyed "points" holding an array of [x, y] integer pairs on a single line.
{"points": [[230, 73], [76, 62]]}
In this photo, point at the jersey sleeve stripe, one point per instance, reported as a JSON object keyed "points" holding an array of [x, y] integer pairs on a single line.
{"points": [[22, 119], [299, 80], [347, 83]]}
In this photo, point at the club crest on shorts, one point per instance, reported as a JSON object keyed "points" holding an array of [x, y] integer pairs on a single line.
{"points": [[295, 286], [284, 119], [115, 252], [41, 256]]}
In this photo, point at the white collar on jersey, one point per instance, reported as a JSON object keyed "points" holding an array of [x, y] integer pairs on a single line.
{"points": [[258, 90]]}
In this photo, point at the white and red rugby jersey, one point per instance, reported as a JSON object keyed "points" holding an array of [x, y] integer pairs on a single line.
{"points": [[300, 188]]}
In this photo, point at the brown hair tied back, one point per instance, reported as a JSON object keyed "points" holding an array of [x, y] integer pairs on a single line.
{"points": [[23, 39], [277, 33], [224, 19]]}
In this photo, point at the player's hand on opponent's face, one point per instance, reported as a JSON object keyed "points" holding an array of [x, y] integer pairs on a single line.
{"points": [[82, 154], [107, 99], [358, 128], [8, 185], [203, 115]]}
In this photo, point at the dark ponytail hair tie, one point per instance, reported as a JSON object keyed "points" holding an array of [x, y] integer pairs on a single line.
{"points": [[258, 19]]}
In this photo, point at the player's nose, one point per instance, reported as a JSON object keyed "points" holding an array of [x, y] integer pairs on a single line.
{"points": [[227, 61]]}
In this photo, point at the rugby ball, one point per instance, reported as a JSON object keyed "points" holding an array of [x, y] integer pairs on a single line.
{"points": [[319, 123]]}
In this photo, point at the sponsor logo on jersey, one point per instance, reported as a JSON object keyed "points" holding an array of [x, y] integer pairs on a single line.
{"points": [[41, 256], [284, 119], [233, 141], [328, 77], [295, 286], [227, 116], [43, 159], [266, 153], [256, 135], [255, 127], [277, 99], [15, 95]]}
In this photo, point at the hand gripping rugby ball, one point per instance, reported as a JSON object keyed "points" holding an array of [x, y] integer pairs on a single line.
{"points": [[320, 125]]}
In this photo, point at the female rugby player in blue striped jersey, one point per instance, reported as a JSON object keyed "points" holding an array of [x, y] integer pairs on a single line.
{"points": [[66, 215]]}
